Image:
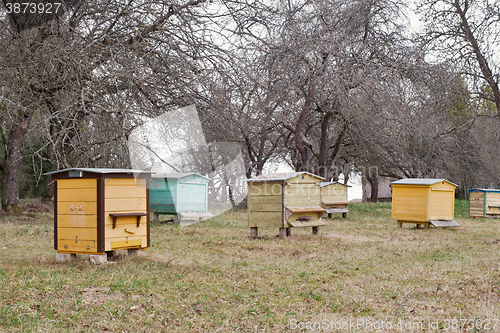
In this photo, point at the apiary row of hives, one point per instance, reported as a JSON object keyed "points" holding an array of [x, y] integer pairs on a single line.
{"points": [[101, 210]]}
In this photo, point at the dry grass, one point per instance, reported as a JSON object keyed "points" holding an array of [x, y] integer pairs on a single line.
{"points": [[211, 277]]}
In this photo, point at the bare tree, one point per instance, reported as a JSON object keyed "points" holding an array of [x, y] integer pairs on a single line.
{"points": [[466, 32], [89, 71], [318, 55]]}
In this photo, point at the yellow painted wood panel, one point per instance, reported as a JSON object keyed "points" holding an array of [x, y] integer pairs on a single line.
{"points": [[315, 217], [299, 195], [83, 246], [441, 205], [77, 194], [274, 199], [119, 192], [261, 189], [77, 234], [76, 183], [332, 194], [306, 190], [76, 221], [265, 203], [79, 207], [492, 199], [409, 212], [409, 203], [264, 219], [126, 230], [125, 242], [443, 186], [302, 202], [125, 182], [125, 205], [329, 197]]}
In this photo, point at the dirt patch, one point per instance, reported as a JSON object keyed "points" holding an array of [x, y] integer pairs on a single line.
{"points": [[36, 207], [100, 295]]}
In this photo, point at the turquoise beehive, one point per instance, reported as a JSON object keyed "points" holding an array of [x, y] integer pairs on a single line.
{"points": [[184, 195]]}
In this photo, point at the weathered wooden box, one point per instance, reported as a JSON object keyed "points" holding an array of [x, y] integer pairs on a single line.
{"points": [[100, 210], [284, 200], [424, 201], [484, 202], [184, 195], [334, 198]]}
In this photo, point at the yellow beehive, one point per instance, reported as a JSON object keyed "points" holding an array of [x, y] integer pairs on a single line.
{"points": [[284, 200], [334, 198], [100, 210], [424, 201], [484, 202]]}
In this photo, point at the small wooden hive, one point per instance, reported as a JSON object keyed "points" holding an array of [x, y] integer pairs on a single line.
{"points": [[284, 200], [100, 210], [484, 202], [184, 195], [334, 198], [424, 201]]}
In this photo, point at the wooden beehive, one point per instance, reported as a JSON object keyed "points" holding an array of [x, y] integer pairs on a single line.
{"points": [[484, 202], [284, 200], [424, 201], [184, 195], [334, 198], [100, 210]]}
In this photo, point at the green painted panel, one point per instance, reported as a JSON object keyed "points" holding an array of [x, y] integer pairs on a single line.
{"points": [[174, 195], [161, 198]]}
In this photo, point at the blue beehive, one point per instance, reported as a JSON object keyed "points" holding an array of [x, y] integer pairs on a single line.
{"points": [[184, 195]]}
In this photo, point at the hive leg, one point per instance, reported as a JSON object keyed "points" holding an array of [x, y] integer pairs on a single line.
{"points": [[254, 232], [288, 232], [98, 259], [156, 217], [400, 224], [63, 257], [329, 215], [283, 233], [344, 215], [315, 230]]}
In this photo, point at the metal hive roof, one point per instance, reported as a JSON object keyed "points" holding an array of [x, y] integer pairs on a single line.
{"points": [[421, 181], [177, 175], [98, 170], [494, 190]]}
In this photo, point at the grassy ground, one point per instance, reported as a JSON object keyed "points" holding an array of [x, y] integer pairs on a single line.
{"points": [[361, 274]]}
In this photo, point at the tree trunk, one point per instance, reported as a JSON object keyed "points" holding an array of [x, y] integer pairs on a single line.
{"points": [[11, 164], [374, 190]]}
